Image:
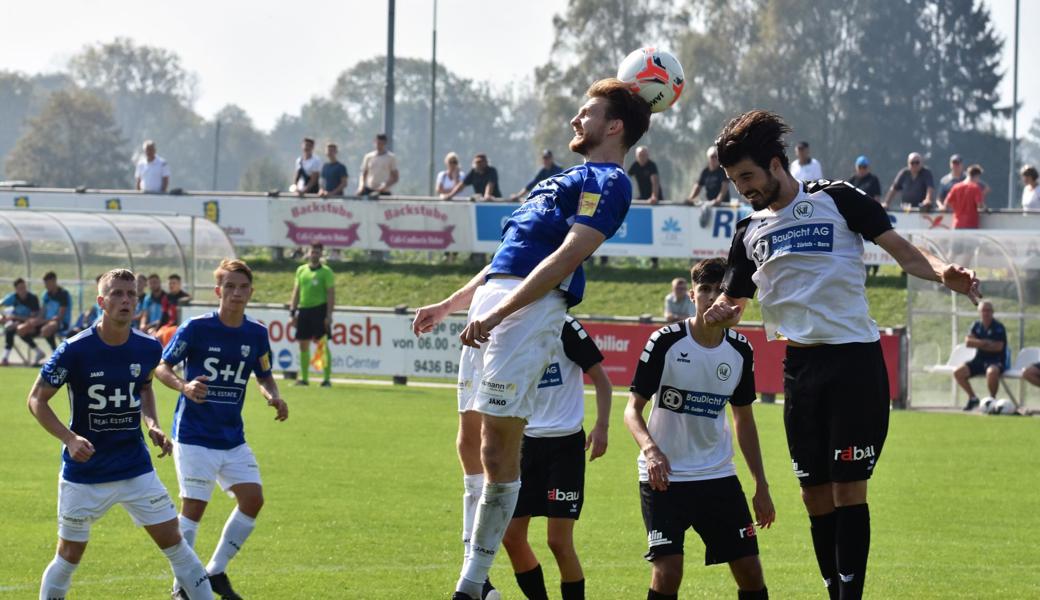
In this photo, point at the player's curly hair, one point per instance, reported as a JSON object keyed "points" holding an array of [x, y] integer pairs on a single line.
{"points": [[232, 265], [758, 135], [711, 270], [631, 109]]}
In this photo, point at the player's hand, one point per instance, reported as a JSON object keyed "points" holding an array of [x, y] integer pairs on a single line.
{"points": [[161, 441], [721, 312], [292, 322], [427, 317], [962, 281], [196, 389], [80, 448], [657, 468], [281, 407], [478, 331], [597, 440], [762, 502]]}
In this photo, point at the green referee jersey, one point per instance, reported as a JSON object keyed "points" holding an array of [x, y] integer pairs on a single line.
{"points": [[314, 285]]}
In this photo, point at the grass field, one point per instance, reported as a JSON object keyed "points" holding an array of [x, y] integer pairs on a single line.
{"points": [[363, 501]]}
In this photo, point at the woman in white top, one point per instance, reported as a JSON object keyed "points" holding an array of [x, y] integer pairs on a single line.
{"points": [[1030, 191], [450, 177]]}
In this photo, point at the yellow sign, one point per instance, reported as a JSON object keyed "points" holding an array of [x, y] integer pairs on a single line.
{"points": [[21, 202], [113, 204], [211, 210]]}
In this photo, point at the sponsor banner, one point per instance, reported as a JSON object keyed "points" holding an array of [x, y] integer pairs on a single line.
{"points": [[335, 223], [243, 218]]}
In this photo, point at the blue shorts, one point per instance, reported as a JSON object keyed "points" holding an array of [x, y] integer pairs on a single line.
{"points": [[978, 366]]}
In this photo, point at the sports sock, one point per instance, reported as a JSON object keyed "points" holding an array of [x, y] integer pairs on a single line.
{"points": [[188, 529], [473, 486], [853, 544], [762, 594], [188, 571], [52, 342], [652, 595], [532, 584], [57, 578], [305, 364], [494, 512], [572, 590], [236, 531], [9, 334], [326, 369], [823, 541]]}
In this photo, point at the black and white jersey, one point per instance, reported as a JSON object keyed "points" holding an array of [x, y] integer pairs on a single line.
{"points": [[560, 406], [806, 262], [689, 386]]}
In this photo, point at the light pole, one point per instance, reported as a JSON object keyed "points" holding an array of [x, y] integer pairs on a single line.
{"points": [[1014, 117], [388, 102], [433, 99]]}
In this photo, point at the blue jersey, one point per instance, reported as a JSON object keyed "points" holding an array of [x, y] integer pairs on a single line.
{"points": [[994, 333], [594, 194], [21, 307], [105, 401], [52, 304], [226, 356]]}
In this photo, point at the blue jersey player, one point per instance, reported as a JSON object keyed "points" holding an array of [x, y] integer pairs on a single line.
{"points": [[108, 370], [221, 349], [517, 305]]}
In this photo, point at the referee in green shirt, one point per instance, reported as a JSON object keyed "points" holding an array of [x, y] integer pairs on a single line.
{"points": [[313, 298]]}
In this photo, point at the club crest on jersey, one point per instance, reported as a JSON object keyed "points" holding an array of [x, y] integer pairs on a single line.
{"points": [[760, 253], [803, 210], [724, 371], [245, 351], [135, 369]]}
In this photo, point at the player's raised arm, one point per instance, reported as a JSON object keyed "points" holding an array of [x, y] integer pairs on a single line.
{"points": [[80, 449], [925, 265], [151, 420], [427, 317], [597, 440]]}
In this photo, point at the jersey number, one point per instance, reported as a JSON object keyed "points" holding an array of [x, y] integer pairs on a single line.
{"points": [[100, 400], [211, 365]]}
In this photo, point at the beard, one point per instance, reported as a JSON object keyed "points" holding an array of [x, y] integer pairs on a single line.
{"points": [[767, 195], [584, 144]]}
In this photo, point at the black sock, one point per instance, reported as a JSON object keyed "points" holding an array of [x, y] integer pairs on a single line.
{"points": [[652, 595], [572, 590], [532, 584], [52, 342], [762, 594], [824, 529], [29, 341], [853, 543], [9, 338]]}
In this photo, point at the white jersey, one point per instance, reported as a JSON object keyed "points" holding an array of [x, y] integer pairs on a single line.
{"points": [[806, 262], [810, 171], [560, 405], [689, 386]]}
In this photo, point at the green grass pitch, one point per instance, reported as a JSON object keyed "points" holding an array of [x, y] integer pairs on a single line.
{"points": [[363, 501]]}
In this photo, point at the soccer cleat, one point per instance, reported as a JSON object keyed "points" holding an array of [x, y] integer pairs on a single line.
{"points": [[971, 405], [326, 383], [222, 585], [178, 593], [300, 383], [489, 592]]}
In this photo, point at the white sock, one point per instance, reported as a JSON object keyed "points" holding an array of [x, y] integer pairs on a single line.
{"points": [[236, 530], [188, 570], [188, 529], [57, 578], [474, 487], [493, 515]]}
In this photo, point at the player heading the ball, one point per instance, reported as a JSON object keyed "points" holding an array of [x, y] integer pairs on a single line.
{"points": [[108, 369]]}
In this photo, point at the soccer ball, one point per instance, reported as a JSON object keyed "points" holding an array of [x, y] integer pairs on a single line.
{"points": [[1004, 407], [988, 405], [654, 74]]}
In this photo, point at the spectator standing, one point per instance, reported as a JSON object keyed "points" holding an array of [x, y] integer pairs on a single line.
{"points": [[152, 172], [310, 310], [378, 170], [644, 172], [712, 180], [333, 178], [549, 168], [966, 199], [57, 310], [989, 338], [866, 181], [22, 320], [450, 177], [153, 315], [805, 167], [484, 179], [1030, 189], [916, 184], [955, 176], [308, 169], [678, 305]]}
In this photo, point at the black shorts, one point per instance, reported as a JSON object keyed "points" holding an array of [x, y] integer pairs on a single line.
{"points": [[310, 323], [836, 407], [978, 366], [552, 477], [715, 508]]}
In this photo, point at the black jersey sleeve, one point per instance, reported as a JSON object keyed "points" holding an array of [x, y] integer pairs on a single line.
{"points": [[737, 282], [744, 393], [861, 212], [579, 346], [651, 361]]}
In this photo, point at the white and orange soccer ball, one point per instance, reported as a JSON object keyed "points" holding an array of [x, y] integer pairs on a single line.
{"points": [[654, 74]]}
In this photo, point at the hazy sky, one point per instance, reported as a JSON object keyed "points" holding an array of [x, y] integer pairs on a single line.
{"points": [[270, 57]]}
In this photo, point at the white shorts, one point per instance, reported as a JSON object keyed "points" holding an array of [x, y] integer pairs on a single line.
{"points": [[501, 377], [199, 467], [80, 504]]}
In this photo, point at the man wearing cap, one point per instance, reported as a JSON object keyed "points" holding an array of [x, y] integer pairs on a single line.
{"points": [[955, 176], [916, 184], [549, 168], [866, 181]]}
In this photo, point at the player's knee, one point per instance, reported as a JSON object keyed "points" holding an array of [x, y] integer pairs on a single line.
{"points": [[514, 539], [71, 551], [961, 374], [667, 573], [747, 572], [818, 499], [250, 501], [561, 544], [850, 493]]}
